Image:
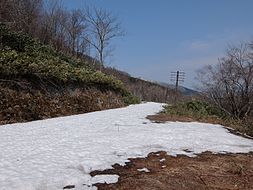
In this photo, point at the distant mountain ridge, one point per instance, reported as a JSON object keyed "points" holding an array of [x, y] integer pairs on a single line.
{"points": [[185, 91]]}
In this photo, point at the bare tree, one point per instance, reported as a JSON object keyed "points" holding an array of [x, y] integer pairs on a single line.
{"points": [[103, 27], [230, 83], [5, 7], [53, 26], [64, 29], [21, 14], [76, 28], [74, 32]]}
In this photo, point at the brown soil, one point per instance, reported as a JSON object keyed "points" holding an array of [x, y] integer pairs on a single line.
{"points": [[207, 171]]}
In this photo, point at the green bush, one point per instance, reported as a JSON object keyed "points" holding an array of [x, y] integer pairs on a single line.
{"points": [[128, 98], [198, 109], [203, 108]]}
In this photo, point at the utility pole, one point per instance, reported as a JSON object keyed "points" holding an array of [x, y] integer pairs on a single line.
{"points": [[177, 77], [177, 81]]}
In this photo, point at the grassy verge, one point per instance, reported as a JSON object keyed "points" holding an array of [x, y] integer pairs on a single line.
{"points": [[203, 112]]}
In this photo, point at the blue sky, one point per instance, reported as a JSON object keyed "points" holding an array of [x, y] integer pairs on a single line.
{"points": [[169, 35]]}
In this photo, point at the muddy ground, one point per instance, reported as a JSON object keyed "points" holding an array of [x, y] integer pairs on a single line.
{"points": [[206, 171]]}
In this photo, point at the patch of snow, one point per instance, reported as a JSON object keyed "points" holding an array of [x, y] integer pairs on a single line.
{"points": [[162, 160], [143, 170], [105, 179], [54, 153]]}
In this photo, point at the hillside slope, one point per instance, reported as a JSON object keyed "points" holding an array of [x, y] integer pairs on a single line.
{"points": [[36, 82], [185, 91], [143, 89]]}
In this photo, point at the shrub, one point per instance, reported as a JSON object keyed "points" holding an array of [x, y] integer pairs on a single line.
{"points": [[128, 98], [198, 109]]}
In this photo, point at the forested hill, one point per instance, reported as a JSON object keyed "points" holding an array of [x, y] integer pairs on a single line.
{"points": [[185, 91], [143, 89]]}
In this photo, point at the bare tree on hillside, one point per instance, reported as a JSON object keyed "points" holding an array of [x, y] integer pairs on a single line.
{"points": [[53, 26], [5, 7], [73, 32], [230, 83], [76, 27], [103, 27], [21, 14]]}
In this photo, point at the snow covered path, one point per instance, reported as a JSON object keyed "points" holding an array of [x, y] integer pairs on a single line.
{"points": [[54, 153]]}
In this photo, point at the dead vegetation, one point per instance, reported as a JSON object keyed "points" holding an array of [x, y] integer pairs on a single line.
{"points": [[206, 171], [22, 106]]}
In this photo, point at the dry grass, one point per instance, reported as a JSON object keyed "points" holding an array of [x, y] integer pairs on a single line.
{"points": [[22, 106]]}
